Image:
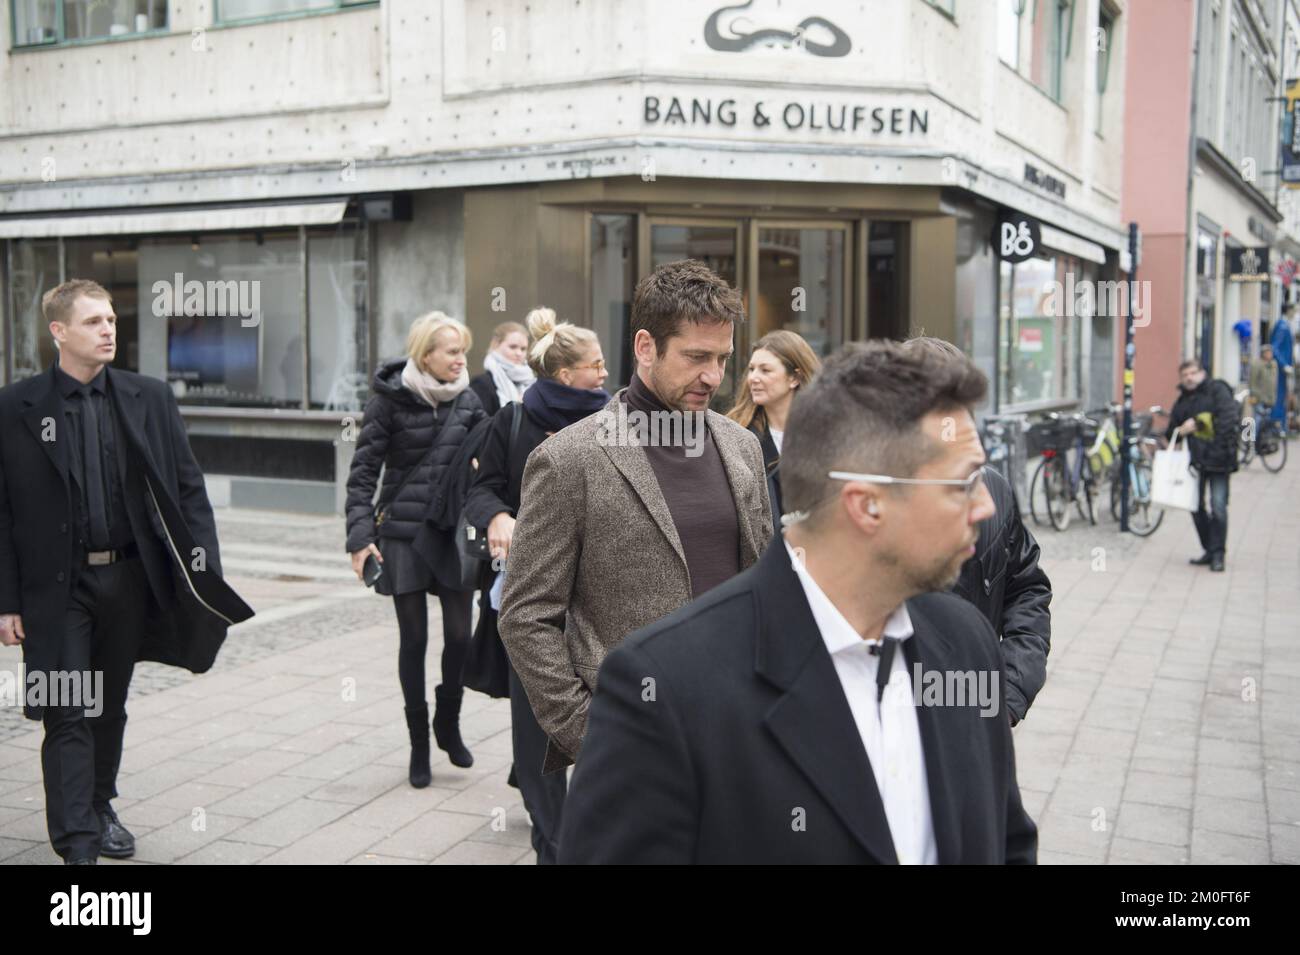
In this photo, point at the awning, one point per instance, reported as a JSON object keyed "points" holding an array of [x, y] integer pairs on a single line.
{"points": [[184, 220], [1071, 244]]}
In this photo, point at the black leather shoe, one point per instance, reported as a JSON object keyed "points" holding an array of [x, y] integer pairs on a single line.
{"points": [[1216, 565], [83, 861], [115, 841], [1202, 561]]}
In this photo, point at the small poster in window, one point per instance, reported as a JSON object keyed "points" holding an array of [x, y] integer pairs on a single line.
{"points": [[1031, 339]]}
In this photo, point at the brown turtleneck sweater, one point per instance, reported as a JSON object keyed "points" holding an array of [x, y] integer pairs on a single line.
{"points": [[699, 498]]}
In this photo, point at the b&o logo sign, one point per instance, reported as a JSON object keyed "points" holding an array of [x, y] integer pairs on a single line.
{"points": [[1018, 237]]}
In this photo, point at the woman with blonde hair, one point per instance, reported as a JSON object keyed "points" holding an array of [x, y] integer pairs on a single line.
{"points": [[570, 371], [779, 365], [421, 410], [506, 375]]}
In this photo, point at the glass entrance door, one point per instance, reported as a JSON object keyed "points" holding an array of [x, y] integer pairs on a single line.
{"points": [[801, 282]]}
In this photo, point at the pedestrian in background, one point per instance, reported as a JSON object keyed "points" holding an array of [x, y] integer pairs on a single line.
{"points": [[1263, 383], [570, 370], [421, 410], [1206, 415], [1282, 342], [614, 534], [779, 365], [506, 375]]}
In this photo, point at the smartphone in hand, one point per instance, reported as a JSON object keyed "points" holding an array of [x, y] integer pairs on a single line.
{"points": [[371, 571]]}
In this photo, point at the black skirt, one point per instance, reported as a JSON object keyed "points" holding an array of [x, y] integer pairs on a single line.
{"points": [[405, 571]]}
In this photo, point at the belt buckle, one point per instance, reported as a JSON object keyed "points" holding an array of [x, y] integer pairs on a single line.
{"points": [[96, 558]]}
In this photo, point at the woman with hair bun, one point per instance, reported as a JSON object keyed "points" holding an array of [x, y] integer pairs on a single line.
{"points": [[506, 375], [779, 365], [570, 370]]}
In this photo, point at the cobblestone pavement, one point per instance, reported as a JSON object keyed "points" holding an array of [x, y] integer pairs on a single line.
{"points": [[1169, 729]]}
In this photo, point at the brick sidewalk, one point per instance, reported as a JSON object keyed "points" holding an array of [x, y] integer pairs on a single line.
{"points": [[1140, 749]]}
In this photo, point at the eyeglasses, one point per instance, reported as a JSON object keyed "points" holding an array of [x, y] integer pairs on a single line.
{"points": [[970, 484], [595, 366]]}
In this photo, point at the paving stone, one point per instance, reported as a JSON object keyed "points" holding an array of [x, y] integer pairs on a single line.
{"points": [[1163, 824]]}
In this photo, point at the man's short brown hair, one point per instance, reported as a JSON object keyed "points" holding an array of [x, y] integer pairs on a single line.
{"points": [[1190, 363], [863, 413], [56, 304], [685, 291]]}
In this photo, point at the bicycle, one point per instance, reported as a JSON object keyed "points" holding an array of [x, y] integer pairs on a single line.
{"points": [[1261, 436], [1144, 517], [1061, 476]]}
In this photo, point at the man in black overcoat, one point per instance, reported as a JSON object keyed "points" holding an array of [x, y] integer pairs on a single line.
{"points": [[108, 555], [831, 704]]}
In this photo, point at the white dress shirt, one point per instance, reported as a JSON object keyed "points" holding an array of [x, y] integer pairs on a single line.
{"points": [[778, 438], [890, 731]]}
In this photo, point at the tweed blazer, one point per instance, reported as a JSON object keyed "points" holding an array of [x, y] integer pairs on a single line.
{"points": [[596, 555]]}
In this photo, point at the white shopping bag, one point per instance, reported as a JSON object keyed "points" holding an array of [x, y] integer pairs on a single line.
{"points": [[1172, 482]]}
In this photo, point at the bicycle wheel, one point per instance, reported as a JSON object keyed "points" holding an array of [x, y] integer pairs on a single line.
{"points": [[1037, 500], [1143, 516], [1083, 498], [1056, 485], [1273, 454]]}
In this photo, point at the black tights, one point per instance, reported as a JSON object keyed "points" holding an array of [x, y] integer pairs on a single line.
{"points": [[413, 626]]}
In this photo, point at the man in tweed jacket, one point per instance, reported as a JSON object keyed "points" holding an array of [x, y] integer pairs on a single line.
{"points": [[635, 511]]}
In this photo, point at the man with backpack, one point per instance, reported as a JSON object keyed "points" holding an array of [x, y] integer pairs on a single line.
{"points": [[1208, 416]]}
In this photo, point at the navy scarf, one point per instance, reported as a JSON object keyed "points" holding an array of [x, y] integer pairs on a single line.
{"points": [[555, 405]]}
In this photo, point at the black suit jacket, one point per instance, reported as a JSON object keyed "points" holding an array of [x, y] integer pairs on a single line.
{"points": [[772, 468], [167, 505], [721, 734]]}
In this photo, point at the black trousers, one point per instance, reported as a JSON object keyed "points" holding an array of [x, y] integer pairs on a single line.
{"points": [[1212, 522], [543, 795], [82, 751]]}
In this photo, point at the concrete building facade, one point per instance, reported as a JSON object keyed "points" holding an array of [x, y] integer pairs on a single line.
{"points": [[852, 167]]}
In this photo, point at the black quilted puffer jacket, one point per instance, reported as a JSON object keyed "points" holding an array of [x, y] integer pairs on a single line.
{"points": [[398, 430]]}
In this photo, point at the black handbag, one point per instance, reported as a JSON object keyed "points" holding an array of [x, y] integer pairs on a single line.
{"points": [[487, 668]]}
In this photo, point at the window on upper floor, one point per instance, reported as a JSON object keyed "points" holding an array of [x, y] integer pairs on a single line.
{"points": [[1010, 16], [1103, 39], [232, 11], [1053, 23], [52, 22], [1209, 91]]}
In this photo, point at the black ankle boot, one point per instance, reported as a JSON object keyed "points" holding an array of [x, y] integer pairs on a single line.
{"points": [[417, 723], [446, 725]]}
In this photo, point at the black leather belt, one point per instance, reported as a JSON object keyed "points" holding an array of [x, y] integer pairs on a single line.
{"points": [[96, 558]]}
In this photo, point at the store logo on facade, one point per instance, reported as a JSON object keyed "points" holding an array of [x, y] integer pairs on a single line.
{"points": [[1248, 264], [812, 115], [210, 299], [1018, 237], [736, 41]]}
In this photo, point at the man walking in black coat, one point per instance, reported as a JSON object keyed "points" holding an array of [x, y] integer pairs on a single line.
{"points": [[1206, 414], [108, 555], [826, 705]]}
